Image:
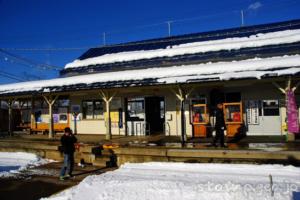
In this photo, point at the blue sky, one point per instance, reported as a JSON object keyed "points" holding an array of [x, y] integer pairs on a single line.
{"points": [[37, 36]]}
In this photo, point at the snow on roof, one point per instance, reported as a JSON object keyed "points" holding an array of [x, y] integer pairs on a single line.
{"points": [[257, 40], [251, 68]]}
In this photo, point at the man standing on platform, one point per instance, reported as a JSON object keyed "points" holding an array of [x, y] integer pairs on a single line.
{"points": [[68, 141], [220, 126]]}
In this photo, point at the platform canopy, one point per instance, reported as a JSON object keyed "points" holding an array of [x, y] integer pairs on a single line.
{"points": [[256, 68]]}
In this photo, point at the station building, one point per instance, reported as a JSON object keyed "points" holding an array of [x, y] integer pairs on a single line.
{"points": [[169, 86]]}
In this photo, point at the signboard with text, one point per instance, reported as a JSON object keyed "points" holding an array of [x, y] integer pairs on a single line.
{"points": [[252, 107]]}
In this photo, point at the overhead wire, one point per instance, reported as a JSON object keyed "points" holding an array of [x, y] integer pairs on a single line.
{"points": [[29, 62], [11, 76]]}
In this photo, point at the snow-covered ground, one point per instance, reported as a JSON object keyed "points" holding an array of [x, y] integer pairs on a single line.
{"points": [[188, 181], [12, 163]]}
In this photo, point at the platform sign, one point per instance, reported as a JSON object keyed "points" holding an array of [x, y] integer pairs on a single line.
{"points": [[252, 108]]}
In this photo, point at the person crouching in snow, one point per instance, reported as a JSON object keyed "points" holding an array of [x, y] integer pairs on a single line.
{"points": [[67, 141]]}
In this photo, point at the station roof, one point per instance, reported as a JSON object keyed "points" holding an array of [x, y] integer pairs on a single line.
{"points": [[256, 68], [230, 44]]}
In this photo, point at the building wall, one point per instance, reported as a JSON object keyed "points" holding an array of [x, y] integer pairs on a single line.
{"points": [[249, 91], [257, 91], [269, 125], [97, 126]]}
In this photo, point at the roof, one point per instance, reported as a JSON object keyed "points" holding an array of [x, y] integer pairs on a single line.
{"points": [[252, 68], [237, 43]]}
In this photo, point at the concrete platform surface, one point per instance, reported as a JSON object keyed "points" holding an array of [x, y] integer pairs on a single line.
{"points": [[42, 181]]}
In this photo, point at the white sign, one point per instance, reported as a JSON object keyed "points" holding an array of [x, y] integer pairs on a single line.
{"points": [[252, 112]]}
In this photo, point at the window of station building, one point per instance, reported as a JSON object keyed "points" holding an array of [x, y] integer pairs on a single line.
{"points": [[25, 111], [4, 105], [232, 112], [24, 104], [61, 103], [92, 109], [61, 110], [269, 108], [136, 108], [199, 114], [162, 109], [40, 103]]}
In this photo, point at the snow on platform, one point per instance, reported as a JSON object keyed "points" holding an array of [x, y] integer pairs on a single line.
{"points": [[159, 181], [14, 162]]}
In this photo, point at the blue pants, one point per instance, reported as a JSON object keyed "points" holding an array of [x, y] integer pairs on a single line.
{"points": [[68, 164]]}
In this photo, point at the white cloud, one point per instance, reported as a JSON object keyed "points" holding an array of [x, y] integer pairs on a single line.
{"points": [[255, 6]]}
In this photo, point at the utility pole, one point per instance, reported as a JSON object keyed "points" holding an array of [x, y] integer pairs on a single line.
{"points": [[242, 18], [104, 38], [169, 28]]}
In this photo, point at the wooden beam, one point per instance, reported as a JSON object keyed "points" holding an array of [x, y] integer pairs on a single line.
{"points": [[296, 86], [288, 83], [279, 88], [177, 94]]}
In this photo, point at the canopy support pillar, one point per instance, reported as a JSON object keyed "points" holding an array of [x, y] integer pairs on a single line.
{"points": [[107, 98], [10, 103], [182, 95], [291, 136], [50, 101]]}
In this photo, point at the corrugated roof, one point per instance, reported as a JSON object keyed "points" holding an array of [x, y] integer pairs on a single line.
{"points": [[162, 43], [256, 68], [110, 56]]}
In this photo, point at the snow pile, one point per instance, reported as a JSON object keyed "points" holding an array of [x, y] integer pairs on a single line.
{"points": [[251, 68], [257, 40], [164, 181], [14, 162]]}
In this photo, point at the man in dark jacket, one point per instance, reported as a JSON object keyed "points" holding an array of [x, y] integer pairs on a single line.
{"points": [[68, 141], [220, 126]]}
